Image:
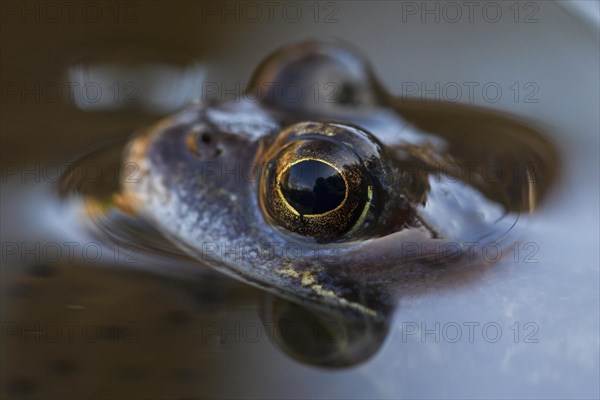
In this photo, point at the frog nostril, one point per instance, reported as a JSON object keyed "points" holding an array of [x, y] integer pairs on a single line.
{"points": [[206, 139], [203, 145]]}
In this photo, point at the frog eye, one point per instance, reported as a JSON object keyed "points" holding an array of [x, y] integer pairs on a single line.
{"points": [[322, 181]]}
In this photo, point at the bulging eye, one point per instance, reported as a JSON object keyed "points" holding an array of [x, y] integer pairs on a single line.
{"points": [[323, 181]]}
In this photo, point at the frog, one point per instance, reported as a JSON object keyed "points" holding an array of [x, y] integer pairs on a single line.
{"points": [[323, 188]]}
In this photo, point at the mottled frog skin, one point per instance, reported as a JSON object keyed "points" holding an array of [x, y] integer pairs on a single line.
{"points": [[230, 182]]}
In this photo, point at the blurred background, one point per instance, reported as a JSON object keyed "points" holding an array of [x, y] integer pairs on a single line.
{"points": [[73, 74]]}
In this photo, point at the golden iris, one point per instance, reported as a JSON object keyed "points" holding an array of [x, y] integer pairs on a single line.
{"points": [[314, 184]]}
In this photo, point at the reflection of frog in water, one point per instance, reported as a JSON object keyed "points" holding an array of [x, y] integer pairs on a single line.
{"points": [[252, 187]]}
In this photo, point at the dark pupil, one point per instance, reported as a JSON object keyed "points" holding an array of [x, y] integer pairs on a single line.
{"points": [[312, 187]]}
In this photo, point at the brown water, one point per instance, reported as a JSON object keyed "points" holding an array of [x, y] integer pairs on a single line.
{"points": [[109, 326]]}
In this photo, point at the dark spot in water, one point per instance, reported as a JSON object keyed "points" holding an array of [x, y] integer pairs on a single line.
{"points": [[20, 290], [42, 270], [208, 296], [112, 333], [21, 386], [63, 367], [131, 373], [186, 375], [177, 317]]}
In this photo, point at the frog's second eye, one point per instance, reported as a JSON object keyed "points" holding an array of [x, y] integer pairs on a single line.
{"points": [[322, 181]]}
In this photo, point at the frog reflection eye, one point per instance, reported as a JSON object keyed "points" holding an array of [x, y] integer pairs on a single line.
{"points": [[322, 181]]}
